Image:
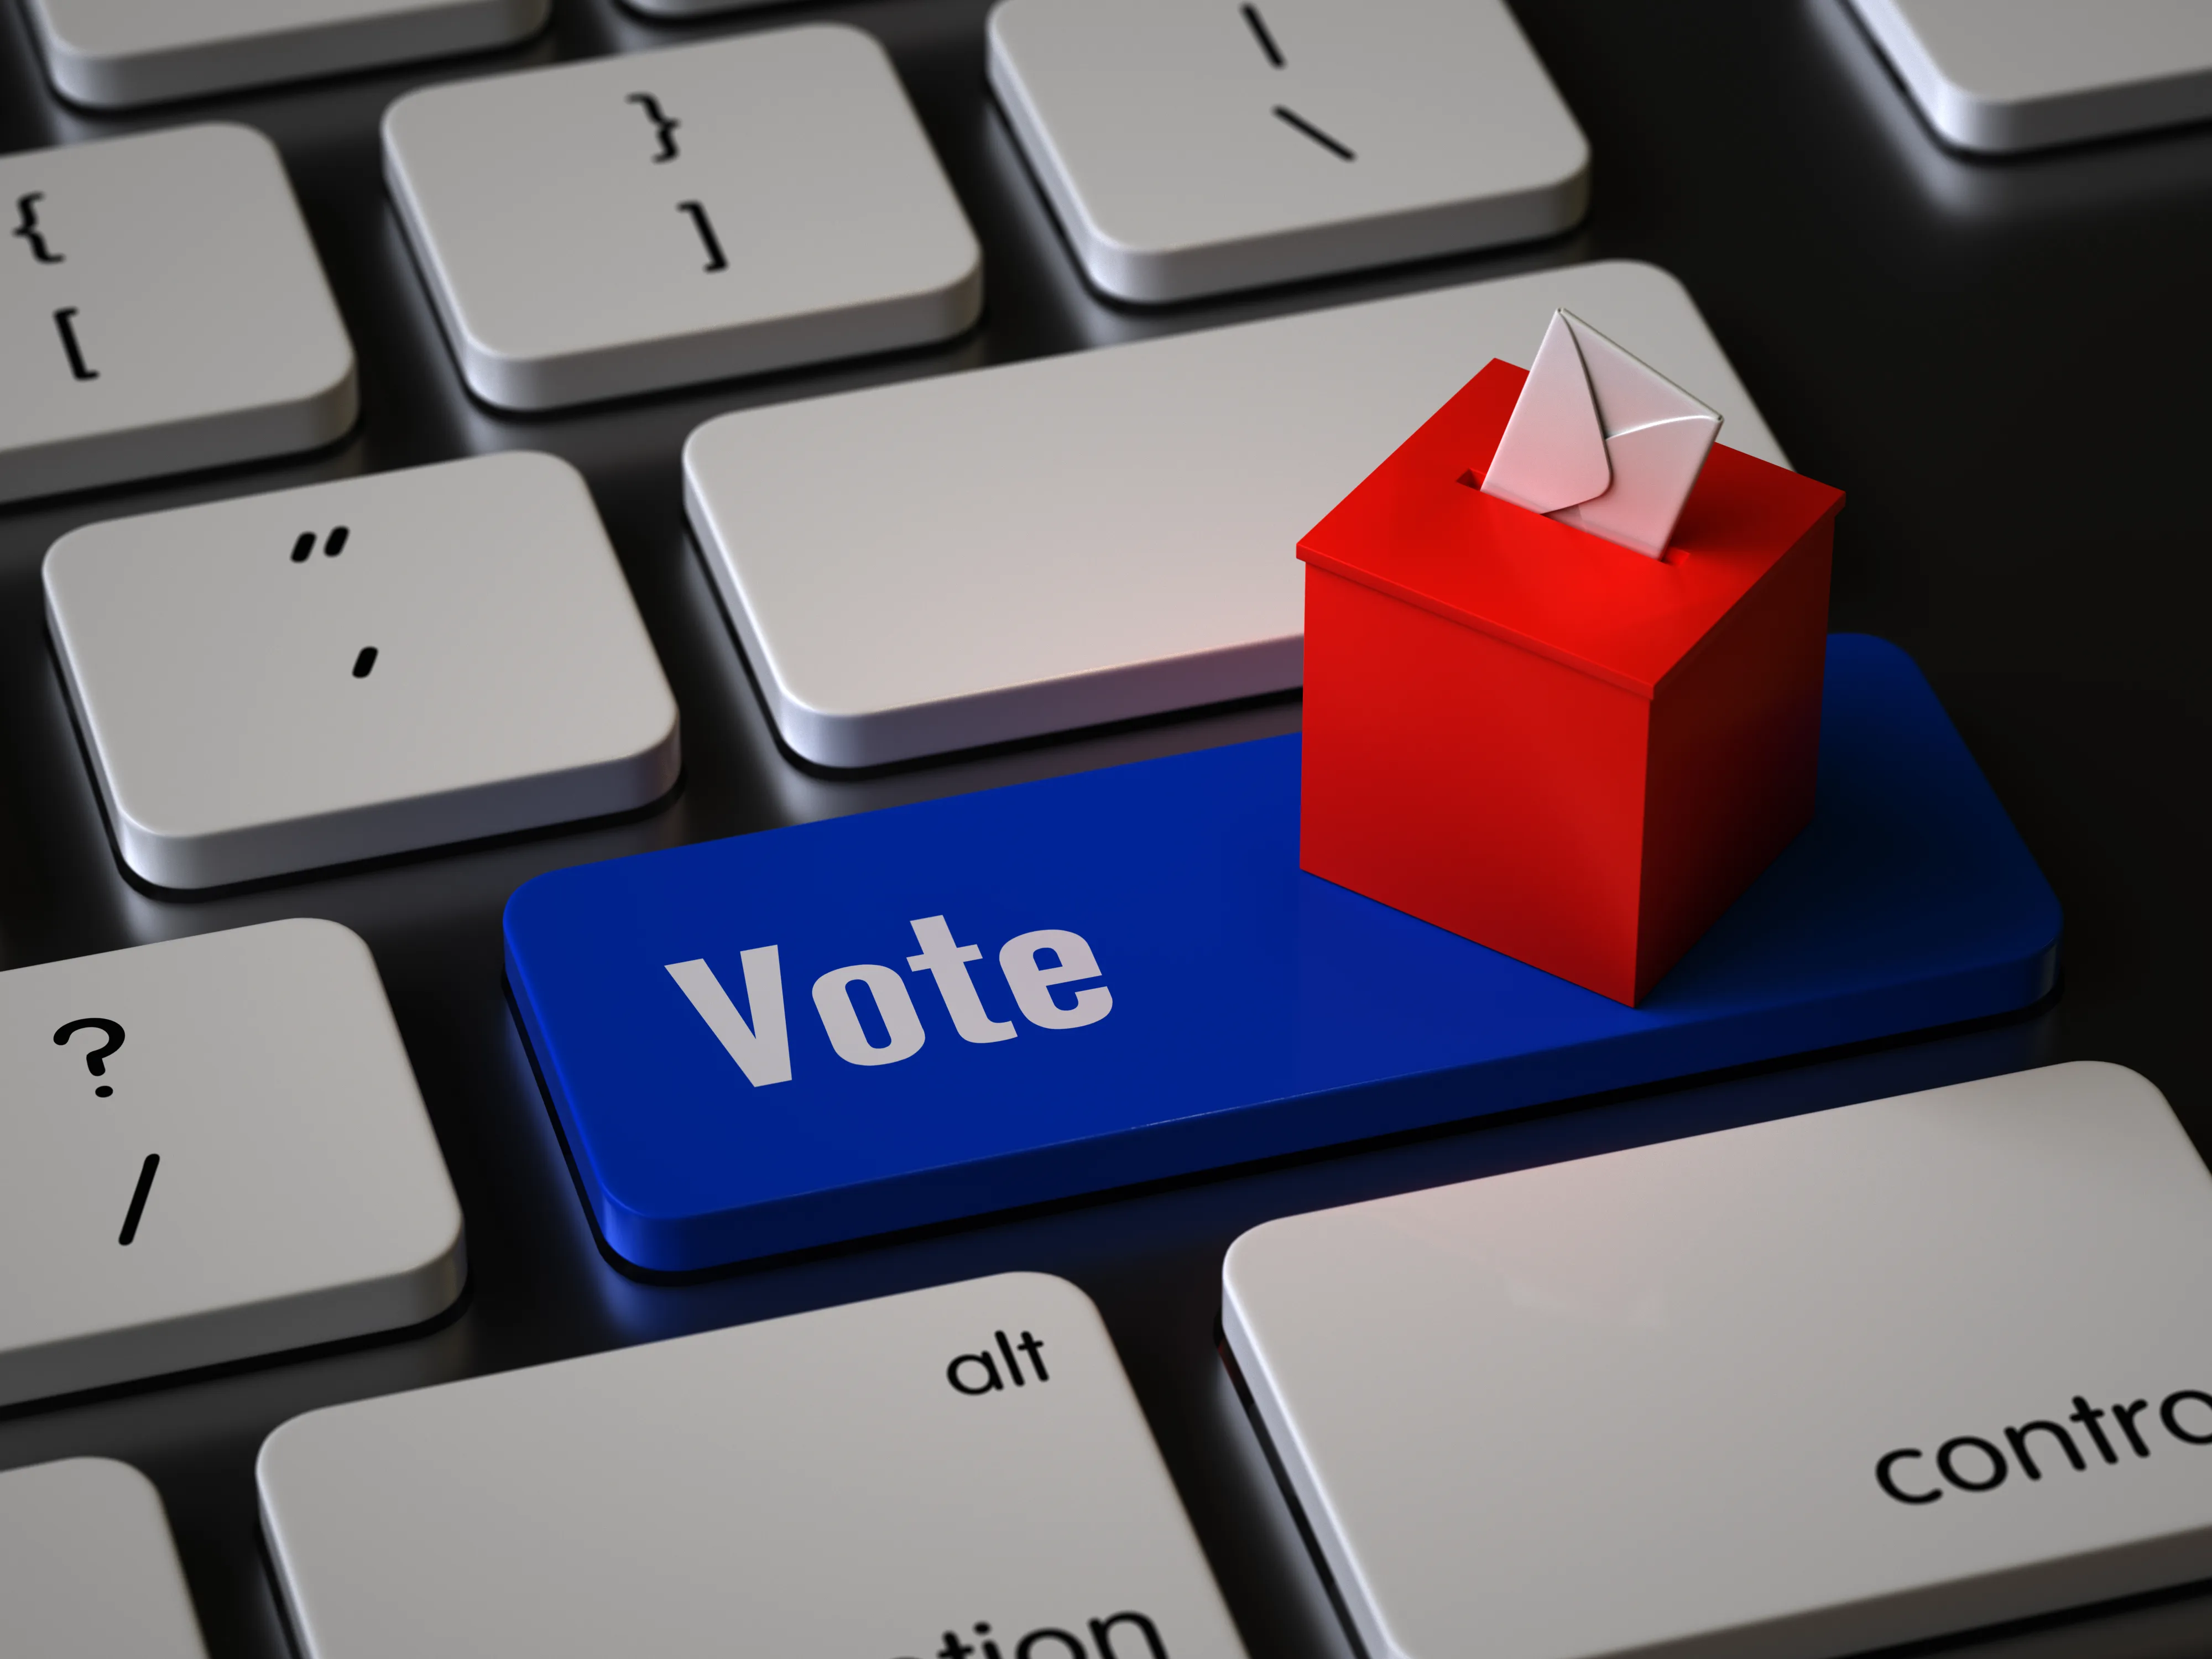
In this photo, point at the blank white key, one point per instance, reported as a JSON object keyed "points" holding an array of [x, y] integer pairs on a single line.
{"points": [[162, 309], [358, 669], [1108, 534], [953, 1471], [87, 1569], [115, 53], [649, 221], [2016, 75], [213, 1148], [1804, 1389], [1190, 147]]}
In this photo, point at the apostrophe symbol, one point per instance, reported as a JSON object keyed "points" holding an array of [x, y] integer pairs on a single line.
{"points": [[95, 1061]]}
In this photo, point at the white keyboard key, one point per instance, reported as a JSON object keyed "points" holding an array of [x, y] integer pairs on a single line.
{"points": [[638, 222], [961, 1470], [2016, 75], [1189, 148], [162, 309], [213, 1148], [358, 669], [1106, 534], [87, 1569], [1812, 1387], [113, 54]]}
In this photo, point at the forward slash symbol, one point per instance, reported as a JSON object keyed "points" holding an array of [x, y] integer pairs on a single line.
{"points": [[137, 1209]]}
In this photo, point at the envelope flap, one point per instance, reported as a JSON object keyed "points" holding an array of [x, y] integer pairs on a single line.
{"points": [[1553, 454], [1630, 392], [1420, 529]]}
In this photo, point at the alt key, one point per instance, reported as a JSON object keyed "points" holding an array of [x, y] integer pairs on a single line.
{"points": [[960, 1472]]}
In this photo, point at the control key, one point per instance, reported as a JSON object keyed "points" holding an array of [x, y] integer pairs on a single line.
{"points": [[1862, 1377]]}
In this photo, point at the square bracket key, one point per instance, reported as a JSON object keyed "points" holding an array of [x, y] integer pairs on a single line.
{"points": [[634, 223], [358, 669], [161, 310], [1193, 147], [213, 1148]]}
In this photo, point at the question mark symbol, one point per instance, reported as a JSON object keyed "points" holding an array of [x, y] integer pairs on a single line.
{"points": [[96, 1061]]}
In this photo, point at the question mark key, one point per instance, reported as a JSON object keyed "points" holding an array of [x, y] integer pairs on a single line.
{"points": [[214, 1149]]}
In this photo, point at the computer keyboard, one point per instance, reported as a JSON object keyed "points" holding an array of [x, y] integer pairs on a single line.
{"points": [[436, 457]]}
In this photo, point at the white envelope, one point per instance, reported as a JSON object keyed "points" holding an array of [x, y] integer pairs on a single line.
{"points": [[1602, 441]]}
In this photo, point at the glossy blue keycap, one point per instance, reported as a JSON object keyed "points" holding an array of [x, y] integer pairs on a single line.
{"points": [[1240, 1008]]}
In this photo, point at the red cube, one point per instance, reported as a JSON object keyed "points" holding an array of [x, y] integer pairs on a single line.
{"points": [[1548, 744]]}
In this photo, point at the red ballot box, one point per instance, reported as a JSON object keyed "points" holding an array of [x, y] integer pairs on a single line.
{"points": [[1555, 746]]}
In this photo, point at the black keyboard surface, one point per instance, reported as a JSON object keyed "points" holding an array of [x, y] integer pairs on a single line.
{"points": [[2003, 363]]}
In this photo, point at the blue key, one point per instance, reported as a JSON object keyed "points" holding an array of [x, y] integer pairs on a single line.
{"points": [[876, 1022]]}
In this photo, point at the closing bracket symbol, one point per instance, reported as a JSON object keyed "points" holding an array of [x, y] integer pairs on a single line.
{"points": [[699, 221], [663, 126], [27, 227]]}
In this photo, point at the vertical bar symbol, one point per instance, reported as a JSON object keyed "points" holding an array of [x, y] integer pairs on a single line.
{"points": [[139, 1198]]}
